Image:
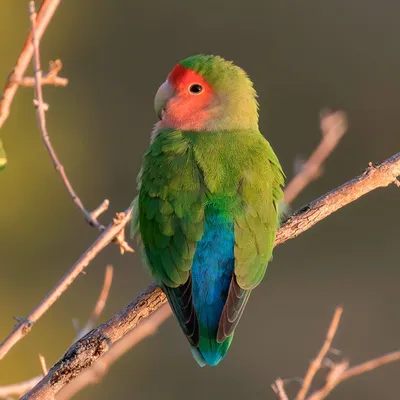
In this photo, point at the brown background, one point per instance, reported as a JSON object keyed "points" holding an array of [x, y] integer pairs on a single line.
{"points": [[302, 56]]}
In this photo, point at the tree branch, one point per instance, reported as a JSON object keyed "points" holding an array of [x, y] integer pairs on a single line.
{"points": [[18, 389], [87, 350], [41, 108], [45, 14], [25, 325], [341, 372], [338, 373], [333, 127], [51, 78], [375, 176], [97, 370], [318, 361]]}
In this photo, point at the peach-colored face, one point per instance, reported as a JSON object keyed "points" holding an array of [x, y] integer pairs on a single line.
{"points": [[188, 104]]}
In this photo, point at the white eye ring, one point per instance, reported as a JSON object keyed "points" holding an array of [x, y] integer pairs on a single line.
{"points": [[195, 88]]}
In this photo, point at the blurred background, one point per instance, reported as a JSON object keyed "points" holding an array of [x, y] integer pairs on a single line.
{"points": [[302, 56]]}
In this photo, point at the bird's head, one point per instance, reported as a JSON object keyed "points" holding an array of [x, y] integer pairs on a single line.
{"points": [[206, 92]]}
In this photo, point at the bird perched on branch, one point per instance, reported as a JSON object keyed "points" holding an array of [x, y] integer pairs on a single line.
{"points": [[207, 210]]}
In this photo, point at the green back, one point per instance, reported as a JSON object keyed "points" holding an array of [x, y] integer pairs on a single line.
{"points": [[182, 172]]}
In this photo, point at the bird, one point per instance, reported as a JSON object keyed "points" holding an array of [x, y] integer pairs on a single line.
{"points": [[209, 191]]}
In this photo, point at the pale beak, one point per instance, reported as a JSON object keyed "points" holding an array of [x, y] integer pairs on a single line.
{"points": [[164, 93]]}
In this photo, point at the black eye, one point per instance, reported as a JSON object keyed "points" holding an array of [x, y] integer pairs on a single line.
{"points": [[195, 88]]}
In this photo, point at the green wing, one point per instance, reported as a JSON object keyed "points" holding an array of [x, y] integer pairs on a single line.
{"points": [[171, 220], [256, 224]]}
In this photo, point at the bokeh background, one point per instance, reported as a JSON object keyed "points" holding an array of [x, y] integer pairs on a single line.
{"points": [[302, 56]]}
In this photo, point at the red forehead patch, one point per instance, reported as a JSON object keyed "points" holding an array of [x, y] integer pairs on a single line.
{"points": [[181, 76], [177, 74]]}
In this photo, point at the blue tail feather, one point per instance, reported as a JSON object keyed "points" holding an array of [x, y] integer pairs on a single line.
{"points": [[212, 270]]}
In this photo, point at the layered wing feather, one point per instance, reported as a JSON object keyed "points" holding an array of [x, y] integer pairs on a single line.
{"points": [[171, 216], [256, 223]]}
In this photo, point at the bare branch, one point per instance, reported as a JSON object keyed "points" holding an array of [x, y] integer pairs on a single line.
{"points": [[23, 387], [88, 349], [51, 78], [96, 343], [45, 15], [342, 372], [380, 175], [18, 389], [25, 325], [338, 373], [318, 361], [115, 231], [97, 370], [333, 127], [41, 118], [100, 304]]}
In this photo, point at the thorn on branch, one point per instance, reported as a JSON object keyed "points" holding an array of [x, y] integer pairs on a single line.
{"points": [[43, 365], [336, 352]]}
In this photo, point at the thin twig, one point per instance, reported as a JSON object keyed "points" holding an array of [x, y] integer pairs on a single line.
{"points": [[25, 325], [23, 387], [45, 14], [113, 233], [338, 373], [18, 389], [51, 78], [88, 349], [380, 175], [342, 372], [97, 370], [317, 362], [100, 304], [279, 388], [43, 364], [41, 108], [97, 342], [333, 127]]}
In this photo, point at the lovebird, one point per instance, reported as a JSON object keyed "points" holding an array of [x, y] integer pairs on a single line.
{"points": [[207, 208]]}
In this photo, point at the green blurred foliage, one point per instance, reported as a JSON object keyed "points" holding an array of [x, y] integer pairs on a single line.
{"points": [[302, 56], [3, 157]]}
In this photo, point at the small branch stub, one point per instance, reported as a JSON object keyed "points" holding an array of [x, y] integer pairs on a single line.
{"points": [[51, 78]]}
